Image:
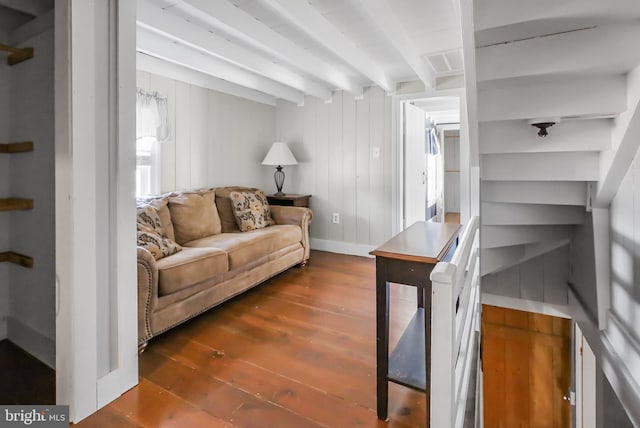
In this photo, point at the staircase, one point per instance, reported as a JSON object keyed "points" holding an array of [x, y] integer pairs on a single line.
{"points": [[573, 63]]}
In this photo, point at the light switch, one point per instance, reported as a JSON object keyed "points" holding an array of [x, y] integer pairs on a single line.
{"points": [[376, 152]]}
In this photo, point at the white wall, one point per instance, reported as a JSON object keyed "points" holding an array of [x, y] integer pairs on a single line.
{"points": [[5, 112], [583, 271], [625, 262], [542, 279], [451, 145], [215, 139], [31, 323], [334, 144]]}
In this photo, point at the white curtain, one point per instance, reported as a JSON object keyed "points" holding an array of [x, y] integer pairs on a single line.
{"points": [[152, 116]]}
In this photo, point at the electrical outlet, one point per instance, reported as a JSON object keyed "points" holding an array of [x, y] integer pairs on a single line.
{"points": [[336, 218]]}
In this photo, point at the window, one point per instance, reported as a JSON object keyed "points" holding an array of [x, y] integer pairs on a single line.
{"points": [[151, 130], [147, 167]]}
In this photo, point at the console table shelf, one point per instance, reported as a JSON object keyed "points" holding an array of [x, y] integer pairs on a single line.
{"points": [[19, 259], [12, 204], [21, 147], [407, 362]]}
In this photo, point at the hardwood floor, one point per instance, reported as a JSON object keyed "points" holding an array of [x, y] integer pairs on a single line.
{"points": [[25, 380], [452, 218], [296, 351]]}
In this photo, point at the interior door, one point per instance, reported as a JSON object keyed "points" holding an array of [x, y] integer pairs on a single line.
{"points": [[415, 165], [526, 369]]}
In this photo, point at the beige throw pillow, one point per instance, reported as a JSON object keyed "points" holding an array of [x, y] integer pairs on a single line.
{"points": [[194, 215], [251, 210], [150, 233]]}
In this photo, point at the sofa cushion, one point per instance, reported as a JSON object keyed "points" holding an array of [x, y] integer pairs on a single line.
{"points": [[150, 233], [194, 215], [251, 210], [189, 267], [162, 207], [243, 248]]}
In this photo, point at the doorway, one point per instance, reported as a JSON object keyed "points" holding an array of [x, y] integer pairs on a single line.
{"points": [[430, 136], [526, 360]]}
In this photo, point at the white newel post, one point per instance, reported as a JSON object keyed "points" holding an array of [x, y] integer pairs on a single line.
{"points": [[443, 313]]}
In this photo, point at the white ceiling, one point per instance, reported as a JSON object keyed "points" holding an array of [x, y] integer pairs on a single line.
{"points": [[442, 110], [312, 47]]}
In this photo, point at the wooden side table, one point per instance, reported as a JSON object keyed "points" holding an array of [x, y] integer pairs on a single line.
{"points": [[289, 200], [408, 258]]}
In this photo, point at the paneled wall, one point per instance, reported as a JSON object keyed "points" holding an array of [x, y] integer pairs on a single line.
{"points": [[541, 279], [344, 154], [625, 261], [5, 189], [31, 324], [215, 139]]}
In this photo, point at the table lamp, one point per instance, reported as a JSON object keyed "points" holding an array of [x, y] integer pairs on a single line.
{"points": [[278, 155]]}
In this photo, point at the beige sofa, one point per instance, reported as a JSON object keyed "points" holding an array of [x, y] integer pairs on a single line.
{"points": [[213, 268]]}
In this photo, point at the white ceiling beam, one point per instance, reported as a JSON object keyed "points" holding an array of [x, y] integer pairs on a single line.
{"points": [[615, 163], [227, 17], [308, 19], [587, 50], [529, 98], [498, 13], [30, 7], [161, 67], [383, 15], [160, 47], [176, 28]]}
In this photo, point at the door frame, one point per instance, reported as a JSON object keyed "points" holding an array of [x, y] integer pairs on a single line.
{"points": [[397, 158], [92, 372]]}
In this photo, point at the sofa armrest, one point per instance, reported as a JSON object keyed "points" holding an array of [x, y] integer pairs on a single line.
{"points": [[147, 292], [299, 216]]}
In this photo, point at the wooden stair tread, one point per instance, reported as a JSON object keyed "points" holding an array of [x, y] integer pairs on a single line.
{"points": [[19, 259], [12, 204], [20, 147]]}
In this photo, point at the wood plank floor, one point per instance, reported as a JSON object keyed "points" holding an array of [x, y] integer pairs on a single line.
{"points": [[297, 351]]}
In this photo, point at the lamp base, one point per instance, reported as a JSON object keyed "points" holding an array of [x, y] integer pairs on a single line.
{"points": [[279, 179], [279, 194]]}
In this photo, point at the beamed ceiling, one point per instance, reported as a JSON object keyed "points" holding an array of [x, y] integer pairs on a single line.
{"points": [[286, 49]]}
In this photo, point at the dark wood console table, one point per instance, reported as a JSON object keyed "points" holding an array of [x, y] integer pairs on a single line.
{"points": [[408, 258]]}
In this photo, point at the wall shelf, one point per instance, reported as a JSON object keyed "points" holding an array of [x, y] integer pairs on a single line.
{"points": [[21, 147], [19, 259], [13, 204], [16, 55]]}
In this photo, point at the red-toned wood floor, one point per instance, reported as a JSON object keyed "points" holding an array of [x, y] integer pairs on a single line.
{"points": [[296, 351]]}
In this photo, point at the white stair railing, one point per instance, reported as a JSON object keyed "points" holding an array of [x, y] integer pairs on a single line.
{"points": [[454, 317]]}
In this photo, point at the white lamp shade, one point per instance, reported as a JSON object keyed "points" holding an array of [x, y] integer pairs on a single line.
{"points": [[279, 154]]}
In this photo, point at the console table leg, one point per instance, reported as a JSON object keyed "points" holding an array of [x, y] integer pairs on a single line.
{"points": [[382, 339], [427, 347]]}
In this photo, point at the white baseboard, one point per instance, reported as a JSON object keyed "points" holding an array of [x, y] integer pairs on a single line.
{"points": [[561, 311], [32, 341], [340, 247]]}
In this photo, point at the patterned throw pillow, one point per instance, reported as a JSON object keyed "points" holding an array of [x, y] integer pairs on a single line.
{"points": [[150, 234], [251, 210]]}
